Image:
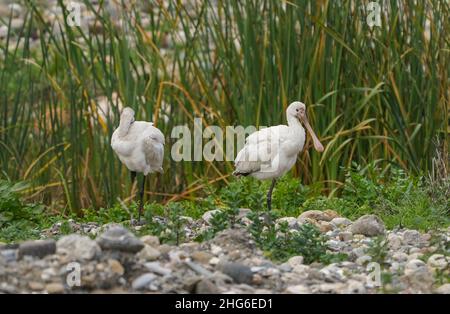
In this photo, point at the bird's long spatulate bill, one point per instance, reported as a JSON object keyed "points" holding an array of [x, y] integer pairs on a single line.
{"points": [[317, 144]]}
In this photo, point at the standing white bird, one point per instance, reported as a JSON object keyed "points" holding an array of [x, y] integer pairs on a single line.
{"points": [[139, 146], [271, 152]]}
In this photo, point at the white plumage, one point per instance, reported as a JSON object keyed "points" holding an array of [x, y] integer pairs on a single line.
{"points": [[139, 146], [271, 152]]}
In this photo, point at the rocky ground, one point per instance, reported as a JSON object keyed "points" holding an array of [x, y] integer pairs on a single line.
{"points": [[111, 259]]}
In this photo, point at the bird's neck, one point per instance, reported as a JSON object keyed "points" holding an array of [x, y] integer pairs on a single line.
{"points": [[294, 123], [124, 127]]}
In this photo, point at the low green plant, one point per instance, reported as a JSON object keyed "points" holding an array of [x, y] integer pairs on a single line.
{"points": [[19, 220], [399, 199], [280, 243], [378, 250]]}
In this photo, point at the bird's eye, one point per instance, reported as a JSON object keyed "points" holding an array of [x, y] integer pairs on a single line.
{"points": [[297, 109]]}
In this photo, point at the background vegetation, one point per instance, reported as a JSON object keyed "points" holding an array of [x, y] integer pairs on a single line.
{"points": [[376, 96]]}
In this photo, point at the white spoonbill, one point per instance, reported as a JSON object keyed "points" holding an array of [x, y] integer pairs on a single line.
{"points": [[139, 146], [271, 152]]}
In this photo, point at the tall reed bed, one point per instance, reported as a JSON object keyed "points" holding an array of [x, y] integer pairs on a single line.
{"points": [[375, 94]]}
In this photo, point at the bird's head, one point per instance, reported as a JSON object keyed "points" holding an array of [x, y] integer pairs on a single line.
{"points": [[297, 109], [127, 115]]}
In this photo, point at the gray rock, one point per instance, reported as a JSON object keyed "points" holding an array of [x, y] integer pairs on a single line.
{"points": [[156, 268], [298, 289], [143, 281], [444, 289], [295, 260], [117, 238], [77, 247], [314, 214], [368, 225], [400, 257], [3, 31], [345, 236], [417, 275], [341, 222], [394, 241], [355, 287], [239, 272], [363, 259], [150, 240], [149, 253], [15, 9], [437, 261], [9, 255], [37, 248], [333, 273], [205, 286], [411, 237]]}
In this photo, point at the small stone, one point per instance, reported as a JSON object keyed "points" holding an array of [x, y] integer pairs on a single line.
{"points": [[201, 257], [9, 255], [117, 238], [325, 226], [54, 287], [257, 279], [363, 259], [302, 270], [333, 273], [205, 286], [355, 287], [143, 281], [149, 253], [418, 276], [116, 267], [332, 287], [295, 260], [36, 286], [239, 272], [315, 215], [414, 256], [214, 261], [368, 225], [37, 248], [341, 222], [298, 289], [215, 249], [164, 248], [285, 267], [345, 236], [394, 241], [77, 247], [437, 261], [156, 268], [150, 240], [400, 257], [444, 289], [15, 9], [411, 237], [3, 31]]}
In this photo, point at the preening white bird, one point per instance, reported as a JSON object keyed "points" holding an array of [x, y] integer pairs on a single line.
{"points": [[140, 147], [271, 152]]}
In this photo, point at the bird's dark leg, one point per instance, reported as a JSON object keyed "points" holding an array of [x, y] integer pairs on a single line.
{"points": [[269, 200], [269, 195], [141, 198], [133, 177]]}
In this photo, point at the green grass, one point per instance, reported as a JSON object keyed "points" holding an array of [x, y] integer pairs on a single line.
{"points": [[400, 200], [376, 94]]}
